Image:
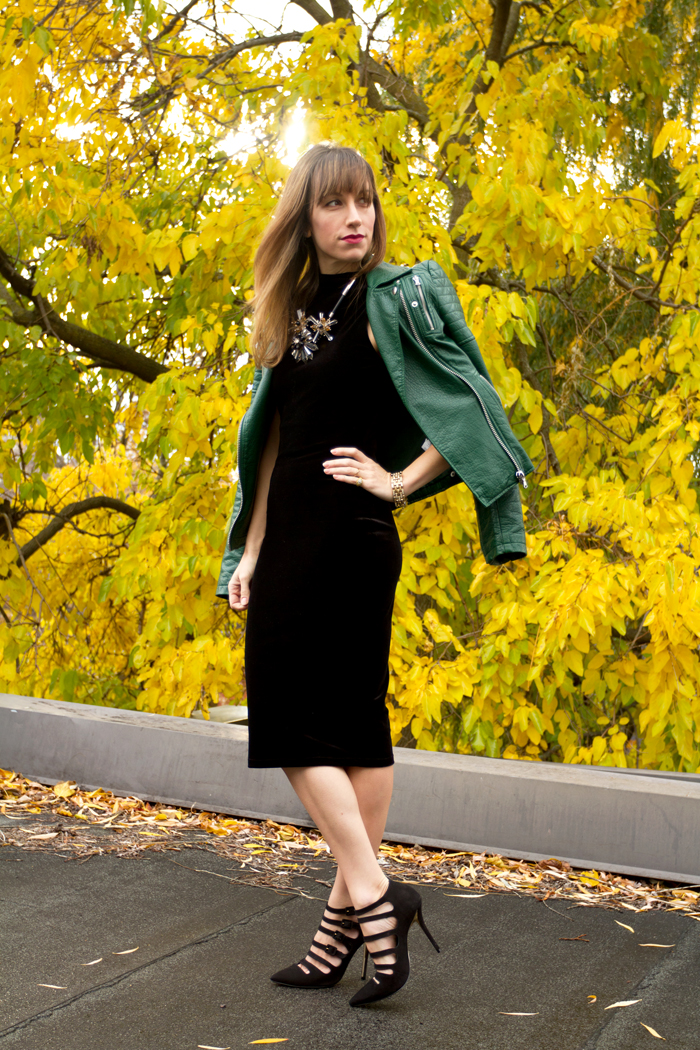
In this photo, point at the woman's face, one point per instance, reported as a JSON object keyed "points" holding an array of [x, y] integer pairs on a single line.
{"points": [[342, 226]]}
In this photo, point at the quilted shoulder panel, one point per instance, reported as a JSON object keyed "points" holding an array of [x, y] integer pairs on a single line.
{"points": [[446, 301]]}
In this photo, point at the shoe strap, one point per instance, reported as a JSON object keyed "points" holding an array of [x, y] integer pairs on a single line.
{"points": [[338, 936], [340, 911], [370, 907], [315, 955], [329, 949], [378, 936], [384, 951], [381, 915], [346, 924]]}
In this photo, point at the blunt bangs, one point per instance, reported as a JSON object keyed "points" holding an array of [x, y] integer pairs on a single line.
{"points": [[341, 170]]}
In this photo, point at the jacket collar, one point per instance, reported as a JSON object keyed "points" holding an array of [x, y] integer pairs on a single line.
{"points": [[383, 274]]}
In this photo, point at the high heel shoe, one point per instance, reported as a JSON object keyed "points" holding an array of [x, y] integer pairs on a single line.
{"points": [[406, 907], [296, 977]]}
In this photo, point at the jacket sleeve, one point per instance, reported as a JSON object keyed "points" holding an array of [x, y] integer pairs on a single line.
{"points": [[233, 555], [450, 309], [501, 528]]}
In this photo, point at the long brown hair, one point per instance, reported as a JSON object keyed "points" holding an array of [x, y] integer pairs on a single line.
{"points": [[286, 264]]}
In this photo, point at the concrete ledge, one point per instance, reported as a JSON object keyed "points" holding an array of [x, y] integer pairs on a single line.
{"points": [[638, 824]]}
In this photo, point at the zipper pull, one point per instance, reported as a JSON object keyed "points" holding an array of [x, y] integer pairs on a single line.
{"points": [[426, 311], [520, 477]]}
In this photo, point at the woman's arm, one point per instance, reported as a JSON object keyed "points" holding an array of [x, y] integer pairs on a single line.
{"points": [[423, 470], [355, 466], [239, 586]]}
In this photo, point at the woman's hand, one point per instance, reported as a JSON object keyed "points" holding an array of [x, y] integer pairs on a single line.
{"points": [[354, 464], [239, 584]]}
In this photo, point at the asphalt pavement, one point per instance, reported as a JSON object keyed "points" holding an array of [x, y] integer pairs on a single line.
{"points": [[514, 972]]}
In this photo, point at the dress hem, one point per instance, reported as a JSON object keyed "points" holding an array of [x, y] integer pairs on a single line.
{"points": [[322, 762]]}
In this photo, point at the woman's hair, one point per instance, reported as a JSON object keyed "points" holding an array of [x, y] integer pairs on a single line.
{"points": [[286, 264]]}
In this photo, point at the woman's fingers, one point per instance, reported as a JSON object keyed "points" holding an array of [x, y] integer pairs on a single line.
{"points": [[238, 592], [342, 450]]}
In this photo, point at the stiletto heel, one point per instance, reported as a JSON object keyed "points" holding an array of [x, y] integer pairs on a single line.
{"points": [[306, 974], [365, 960], [425, 929], [405, 906]]}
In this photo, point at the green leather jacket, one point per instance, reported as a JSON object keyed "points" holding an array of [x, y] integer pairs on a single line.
{"points": [[439, 373]]}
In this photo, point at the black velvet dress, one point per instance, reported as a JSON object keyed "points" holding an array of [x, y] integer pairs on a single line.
{"points": [[321, 598]]}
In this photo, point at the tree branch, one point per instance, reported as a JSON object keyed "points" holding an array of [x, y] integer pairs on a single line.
{"points": [[506, 15], [97, 347], [634, 289], [177, 17], [342, 9], [70, 511], [314, 10], [399, 88]]}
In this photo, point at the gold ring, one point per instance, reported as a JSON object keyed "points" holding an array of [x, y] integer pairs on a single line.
{"points": [[359, 481]]}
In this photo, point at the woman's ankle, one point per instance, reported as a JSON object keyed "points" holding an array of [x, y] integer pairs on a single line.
{"points": [[339, 899], [371, 892]]}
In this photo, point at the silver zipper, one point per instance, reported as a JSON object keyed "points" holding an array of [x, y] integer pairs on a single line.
{"points": [[519, 474], [426, 311]]}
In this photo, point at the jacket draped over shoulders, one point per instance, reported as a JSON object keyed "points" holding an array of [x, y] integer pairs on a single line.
{"points": [[439, 373]]}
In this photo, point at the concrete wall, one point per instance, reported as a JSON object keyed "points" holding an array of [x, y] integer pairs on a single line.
{"points": [[614, 820]]}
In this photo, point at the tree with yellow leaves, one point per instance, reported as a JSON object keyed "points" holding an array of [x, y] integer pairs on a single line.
{"points": [[549, 155]]}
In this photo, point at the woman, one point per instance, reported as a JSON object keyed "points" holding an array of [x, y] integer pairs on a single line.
{"points": [[369, 393]]}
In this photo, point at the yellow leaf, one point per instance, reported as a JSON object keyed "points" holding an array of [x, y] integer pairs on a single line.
{"points": [[624, 924], [64, 789], [661, 140], [623, 1002], [483, 104], [653, 1031], [657, 946], [268, 1041]]}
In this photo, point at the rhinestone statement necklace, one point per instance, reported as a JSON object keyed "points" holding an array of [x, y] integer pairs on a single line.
{"points": [[306, 331]]}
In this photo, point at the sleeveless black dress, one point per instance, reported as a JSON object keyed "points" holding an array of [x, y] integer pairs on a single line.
{"points": [[321, 598]]}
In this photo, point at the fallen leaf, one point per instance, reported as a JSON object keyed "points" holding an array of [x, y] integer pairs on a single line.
{"points": [[593, 998], [93, 962], [468, 895], [624, 1002], [127, 952], [63, 987], [203, 1046], [507, 1013], [65, 789], [47, 835], [625, 925], [653, 1031], [268, 1041], [656, 946]]}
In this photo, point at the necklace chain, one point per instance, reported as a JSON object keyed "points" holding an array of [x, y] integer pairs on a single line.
{"points": [[306, 331]]}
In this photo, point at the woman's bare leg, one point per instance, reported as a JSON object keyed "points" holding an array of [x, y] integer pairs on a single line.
{"points": [[373, 788], [339, 801]]}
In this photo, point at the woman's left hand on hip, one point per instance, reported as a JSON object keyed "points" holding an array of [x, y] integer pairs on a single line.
{"points": [[354, 467]]}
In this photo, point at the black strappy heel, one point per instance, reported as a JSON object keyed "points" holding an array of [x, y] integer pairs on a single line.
{"points": [[406, 908], [295, 977]]}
